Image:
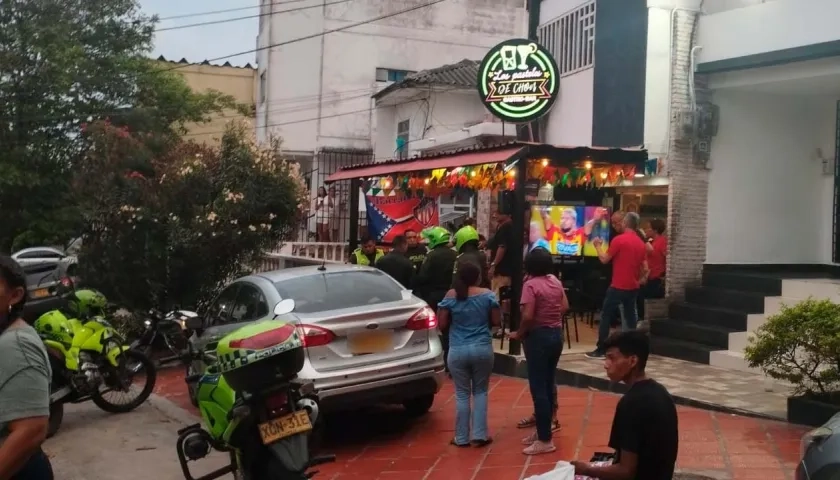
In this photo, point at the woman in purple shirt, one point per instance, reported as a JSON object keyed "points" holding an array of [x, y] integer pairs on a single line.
{"points": [[543, 304]]}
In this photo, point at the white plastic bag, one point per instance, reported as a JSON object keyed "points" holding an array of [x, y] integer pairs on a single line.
{"points": [[562, 471]]}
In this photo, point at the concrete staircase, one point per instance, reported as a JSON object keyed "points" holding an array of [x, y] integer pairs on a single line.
{"points": [[792, 291]]}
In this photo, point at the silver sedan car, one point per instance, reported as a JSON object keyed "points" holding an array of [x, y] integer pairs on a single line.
{"points": [[367, 339]]}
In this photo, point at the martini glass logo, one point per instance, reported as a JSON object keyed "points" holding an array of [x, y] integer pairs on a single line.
{"points": [[509, 54]]}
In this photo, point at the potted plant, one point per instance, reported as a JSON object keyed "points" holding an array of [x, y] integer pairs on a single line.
{"points": [[801, 345]]}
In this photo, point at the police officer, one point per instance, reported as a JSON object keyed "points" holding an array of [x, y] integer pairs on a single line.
{"points": [[467, 242], [435, 277], [367, 254]]}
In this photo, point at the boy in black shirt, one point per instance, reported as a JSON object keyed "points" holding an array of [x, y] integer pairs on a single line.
{"points": [[644, 431]]}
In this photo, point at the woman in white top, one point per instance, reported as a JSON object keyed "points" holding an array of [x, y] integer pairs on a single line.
{"points": [[324, 206]]}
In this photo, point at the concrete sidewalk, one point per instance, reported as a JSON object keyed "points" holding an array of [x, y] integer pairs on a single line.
{"points": [[95, 445]]}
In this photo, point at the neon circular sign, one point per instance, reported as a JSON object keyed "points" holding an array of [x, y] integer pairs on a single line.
{"points": [[518, 80]]}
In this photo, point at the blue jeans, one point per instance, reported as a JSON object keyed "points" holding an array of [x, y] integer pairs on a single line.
{"points": [[543, 347], [610, 312], [470, 367]]}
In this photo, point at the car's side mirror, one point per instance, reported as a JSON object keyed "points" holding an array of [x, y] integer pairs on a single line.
{"points": [[284, 306], [194, 323]]}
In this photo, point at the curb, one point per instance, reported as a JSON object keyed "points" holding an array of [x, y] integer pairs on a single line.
{"points": [[512, 367], [172, 411]]}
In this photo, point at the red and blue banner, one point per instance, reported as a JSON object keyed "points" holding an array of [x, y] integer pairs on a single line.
{"points": [[391, 215]]}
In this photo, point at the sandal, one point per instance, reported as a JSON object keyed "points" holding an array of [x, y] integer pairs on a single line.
{"points": [[555, 425], [459, 445], [539, 448], [527, 422]]}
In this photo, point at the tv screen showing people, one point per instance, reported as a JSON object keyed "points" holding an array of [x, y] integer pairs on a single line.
{"points": [[569, 230]]}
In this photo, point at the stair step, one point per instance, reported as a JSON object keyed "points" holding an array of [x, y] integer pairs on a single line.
{"points": [[712, 335], [743, 282], [748, 302], [705, 315], [680, 349]]}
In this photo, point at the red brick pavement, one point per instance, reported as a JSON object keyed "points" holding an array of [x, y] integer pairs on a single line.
{"points": [[382, 443]]}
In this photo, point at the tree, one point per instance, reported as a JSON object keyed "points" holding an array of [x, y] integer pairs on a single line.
{"points": [[64, 63], [199, 218]]}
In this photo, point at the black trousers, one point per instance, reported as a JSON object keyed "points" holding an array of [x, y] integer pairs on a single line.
{"points": [[37, 468], [654, 288]]}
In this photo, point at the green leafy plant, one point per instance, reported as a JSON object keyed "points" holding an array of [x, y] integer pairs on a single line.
{"points": [[801, 345], [171, 229]]}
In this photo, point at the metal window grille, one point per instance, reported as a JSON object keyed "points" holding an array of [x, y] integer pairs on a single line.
{"points": [[571, 39]]}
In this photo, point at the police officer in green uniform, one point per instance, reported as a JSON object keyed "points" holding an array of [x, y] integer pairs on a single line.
{"points": [[368, 254], [435, 277], [466, 244]]}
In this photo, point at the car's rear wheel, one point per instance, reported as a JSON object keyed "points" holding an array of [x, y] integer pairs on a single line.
{"points": [[419, 406]]}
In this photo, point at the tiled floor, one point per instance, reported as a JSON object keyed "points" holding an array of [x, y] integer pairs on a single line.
{"points": [[382, 443], [704, 383]]}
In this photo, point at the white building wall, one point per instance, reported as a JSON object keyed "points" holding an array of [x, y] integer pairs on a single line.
{"points": [[768, 199], [570, 120], [343, 78], [429, 116], [764, 26]]}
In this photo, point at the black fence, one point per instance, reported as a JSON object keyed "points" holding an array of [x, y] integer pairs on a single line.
{"points": [[332, 225]]}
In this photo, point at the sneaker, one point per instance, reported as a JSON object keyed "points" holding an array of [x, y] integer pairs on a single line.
{"points": [[596, 354]]}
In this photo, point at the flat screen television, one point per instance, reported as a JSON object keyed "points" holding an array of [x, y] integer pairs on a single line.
{"points": [[568, 230]]}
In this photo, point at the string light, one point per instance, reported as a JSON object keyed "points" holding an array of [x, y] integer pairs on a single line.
{"points": [[426, 181], [544, 162], [603, 175], [587, 165]]}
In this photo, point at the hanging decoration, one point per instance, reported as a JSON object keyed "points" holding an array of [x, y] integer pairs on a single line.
{"points": [[492, 176]]}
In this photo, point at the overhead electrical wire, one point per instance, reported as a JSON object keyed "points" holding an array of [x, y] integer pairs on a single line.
{"points": [[228, 10], [247, 17]]}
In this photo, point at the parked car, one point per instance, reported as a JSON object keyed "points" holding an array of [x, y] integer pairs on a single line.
{"points": [[34, 255], [367, 339], [47, 283], [821, 452]]}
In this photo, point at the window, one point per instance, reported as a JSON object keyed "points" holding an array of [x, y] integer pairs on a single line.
{"points": [[388, 75], [402, 139], [220, 310], [571, 39], [41, 254], [250, 304], [335, 291], [262, 88]]}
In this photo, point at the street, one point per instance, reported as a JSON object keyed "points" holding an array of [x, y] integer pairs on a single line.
{"points": [[382, 443]]}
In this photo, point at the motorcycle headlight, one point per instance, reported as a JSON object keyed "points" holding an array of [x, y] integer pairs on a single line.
{"points": [[148, 323], [814, 438], [183, 323]]}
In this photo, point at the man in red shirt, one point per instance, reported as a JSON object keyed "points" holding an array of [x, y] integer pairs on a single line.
{"points": [[657, 250], [627, 253]]}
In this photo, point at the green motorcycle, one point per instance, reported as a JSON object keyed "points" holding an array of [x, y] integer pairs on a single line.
{"points": [[252, 405], [89, 359]]}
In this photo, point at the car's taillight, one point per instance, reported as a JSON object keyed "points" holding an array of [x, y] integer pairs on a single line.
{"points": [[267, 339], [425, 319], [313, 336]]}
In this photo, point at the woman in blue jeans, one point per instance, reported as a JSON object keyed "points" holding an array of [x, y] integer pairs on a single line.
{"points": [[543, 304], [468, 311]]}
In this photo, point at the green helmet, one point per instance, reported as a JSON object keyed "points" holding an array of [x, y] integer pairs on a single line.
{"points": [[464, 235], [436, 236], [86, 303], [54, 326]]}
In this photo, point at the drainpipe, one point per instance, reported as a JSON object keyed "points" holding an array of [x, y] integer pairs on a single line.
{"points": [[671, 26], [321, 74]]}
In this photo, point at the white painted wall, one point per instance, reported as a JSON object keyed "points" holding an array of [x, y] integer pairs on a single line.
{"points": [[570, 120], [432, 115], [768, 200], [339, 68], [764, 26]]}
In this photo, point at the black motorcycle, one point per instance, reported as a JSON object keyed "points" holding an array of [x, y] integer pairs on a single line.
{"points": [[168, 332]]}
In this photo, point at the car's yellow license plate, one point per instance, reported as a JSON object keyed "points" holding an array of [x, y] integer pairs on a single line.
{"points": [[41, 293], [285, 426], [371, 342]]}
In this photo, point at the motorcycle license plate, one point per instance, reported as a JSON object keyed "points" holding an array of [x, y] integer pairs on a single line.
{"points": [[285, 426], [41, 293]]}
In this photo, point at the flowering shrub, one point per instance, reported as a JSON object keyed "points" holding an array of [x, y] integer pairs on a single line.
{"points": [[171, 229]]}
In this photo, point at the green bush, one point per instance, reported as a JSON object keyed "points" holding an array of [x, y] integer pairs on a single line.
{"points": [[169, 227], [801, 345]]}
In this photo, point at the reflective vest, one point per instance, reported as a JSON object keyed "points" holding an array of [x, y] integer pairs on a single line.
{"points": [[362, 259]]}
